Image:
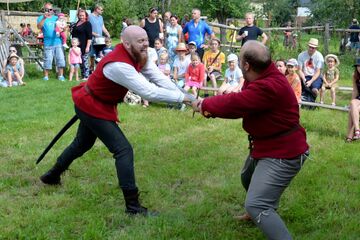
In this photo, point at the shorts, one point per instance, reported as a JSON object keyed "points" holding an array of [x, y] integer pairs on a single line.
{"points": [[216, 73], [51, 52], [75, 65], [316, 84]]}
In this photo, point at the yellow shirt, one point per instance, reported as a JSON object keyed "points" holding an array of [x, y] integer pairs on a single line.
{"points": [[209, 57]]}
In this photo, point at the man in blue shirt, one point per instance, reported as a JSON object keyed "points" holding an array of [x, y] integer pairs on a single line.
{"points": [[197, 30], [98, 28], [52, 43]]}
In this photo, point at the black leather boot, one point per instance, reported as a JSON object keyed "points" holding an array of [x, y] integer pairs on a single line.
{"points": [[52, 177], [133, 206]]}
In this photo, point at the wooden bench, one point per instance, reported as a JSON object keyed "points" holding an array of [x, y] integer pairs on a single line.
{"points": [[209, 89]]}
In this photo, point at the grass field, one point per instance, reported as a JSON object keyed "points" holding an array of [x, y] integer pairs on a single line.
{"points": [[186, 168]]}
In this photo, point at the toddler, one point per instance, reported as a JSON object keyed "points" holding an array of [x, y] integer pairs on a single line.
{"points": [[164, 66], [195, 74], [12, 71], [192, 47], [106, 50], [293, 78], [331, 76], [233, 77], [60, 28], [74, 59]]}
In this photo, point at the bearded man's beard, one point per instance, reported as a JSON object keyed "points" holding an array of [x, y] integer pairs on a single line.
{"points": [[139, 58]]}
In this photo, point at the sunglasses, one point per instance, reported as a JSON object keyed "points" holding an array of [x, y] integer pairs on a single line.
{"points": [[48, 9]]}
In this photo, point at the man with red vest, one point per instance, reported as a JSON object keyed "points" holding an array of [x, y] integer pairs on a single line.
{"points": [[278, 145], [125, 68]]}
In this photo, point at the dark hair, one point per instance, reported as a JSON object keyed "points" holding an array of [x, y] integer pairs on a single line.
{"points": [[159, 39], [281, 60], [174, 16], [152, 9], [356, 74]]}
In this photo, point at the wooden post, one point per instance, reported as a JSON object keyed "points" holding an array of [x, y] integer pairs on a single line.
{"points": [[326, 38]]}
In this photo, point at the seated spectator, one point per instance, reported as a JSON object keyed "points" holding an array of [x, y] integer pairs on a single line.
{"points": [[293, 78], [195, 74], [13, 76], [20, 63], [330, 78], [213, 60], [353, 126], [310, 65], [234, 79], [281, 66], [164, 65], [181, 64], [192, 47], [159, 47]]}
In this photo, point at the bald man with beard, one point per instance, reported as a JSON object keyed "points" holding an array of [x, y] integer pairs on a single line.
{"points": [[125, 68], [277, 141]]}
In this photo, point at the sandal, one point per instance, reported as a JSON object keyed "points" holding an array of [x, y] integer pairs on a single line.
{"points": [[357, 135], [348, 140]]}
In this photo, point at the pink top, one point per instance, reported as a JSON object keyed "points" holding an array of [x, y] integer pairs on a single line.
{"points": [[75, 55]]}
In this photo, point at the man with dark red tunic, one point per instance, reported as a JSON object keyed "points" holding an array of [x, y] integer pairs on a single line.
{"points": [[270, 115], [125, 68]]}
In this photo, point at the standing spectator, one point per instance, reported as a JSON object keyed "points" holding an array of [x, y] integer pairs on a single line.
{"points": [[24, 30], [52, 43], [293, 77], [83, 31], [185, 20], [173, 35], [311, 63], [166, 20], [153, 26], [74, 59], [250, 31], [277, 141], [197, 29], [353, 126], [98, 29], [213, 60], [355, 36], [330, 78]]}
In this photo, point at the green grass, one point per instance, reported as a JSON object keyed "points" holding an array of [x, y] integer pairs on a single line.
{"points": [[187, 168]]}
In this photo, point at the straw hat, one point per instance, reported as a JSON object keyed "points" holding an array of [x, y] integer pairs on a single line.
{"points": [[232, 57], [357, 62], [181, 47], [334, 57], [13, 55], [292, 62], [313, 42]]}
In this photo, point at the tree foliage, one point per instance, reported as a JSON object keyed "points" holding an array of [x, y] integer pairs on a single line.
{"points": [[280, 12]]}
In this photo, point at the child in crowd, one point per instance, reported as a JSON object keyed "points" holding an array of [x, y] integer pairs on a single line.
{"points": [[107, 49], [74, 59], [281, 66], [330, 78], [353, 124], [192, 47], [181, 64], [12, 71], [195, 74], [213, 60], [60, 28], [293, 78], [233, 77], [159, 47], [163, 65]]}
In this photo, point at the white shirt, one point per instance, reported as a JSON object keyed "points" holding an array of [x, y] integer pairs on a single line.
{"points": [[150, 84], [308, 66]]}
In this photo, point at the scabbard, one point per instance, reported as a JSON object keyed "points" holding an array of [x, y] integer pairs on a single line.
{"points": [[57, 137]]}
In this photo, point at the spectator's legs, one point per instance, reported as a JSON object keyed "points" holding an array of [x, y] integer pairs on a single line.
{"points": [[77, 73], [60, 59], [194, 91], [72, 70], [213, 82], [354, 111], [18, 78], [322, 94], [333, 95], [9, 77], [63, 37], [48, 58], [85, 66]]}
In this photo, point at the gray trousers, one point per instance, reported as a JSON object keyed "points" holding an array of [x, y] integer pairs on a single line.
{"points": [[265, 180]]}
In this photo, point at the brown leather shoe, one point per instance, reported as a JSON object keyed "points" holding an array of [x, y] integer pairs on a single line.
{"points": [[244, 217]]}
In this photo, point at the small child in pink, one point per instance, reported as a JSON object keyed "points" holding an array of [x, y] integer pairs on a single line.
{"points": [[163, 65], [195, 74], [60, 28], [74, 59]]}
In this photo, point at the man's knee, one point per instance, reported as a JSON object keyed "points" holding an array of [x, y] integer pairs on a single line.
{"points": [[122, 150]]}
